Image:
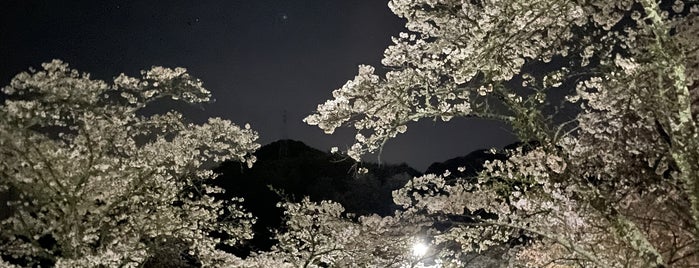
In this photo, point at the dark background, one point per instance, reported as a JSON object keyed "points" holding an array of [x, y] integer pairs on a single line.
{"points": [[267, 62]]}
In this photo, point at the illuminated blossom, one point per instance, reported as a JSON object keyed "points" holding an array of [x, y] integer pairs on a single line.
{"points": [[98, 181], [610, 181]]}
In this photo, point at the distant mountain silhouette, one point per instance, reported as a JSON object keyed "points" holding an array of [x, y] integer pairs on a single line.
{"points": [[472, 163], [297, 170]]}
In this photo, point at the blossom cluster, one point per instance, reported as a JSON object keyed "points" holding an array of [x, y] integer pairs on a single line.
{"points": [[592, 190], [98, 182]]}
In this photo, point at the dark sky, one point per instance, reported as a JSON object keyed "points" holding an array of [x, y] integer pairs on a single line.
{"points": [[263, 60]]}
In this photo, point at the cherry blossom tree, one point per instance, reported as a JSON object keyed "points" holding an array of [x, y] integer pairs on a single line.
{"points": [[612, 179], [320, 235], [100, 182]]}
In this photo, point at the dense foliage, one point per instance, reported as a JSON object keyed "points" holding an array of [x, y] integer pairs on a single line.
{"points": [[608, 176], [612, 179], [96, 182]]}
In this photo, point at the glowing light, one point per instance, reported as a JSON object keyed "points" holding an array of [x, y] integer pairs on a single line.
{"points": [[420, 249]]}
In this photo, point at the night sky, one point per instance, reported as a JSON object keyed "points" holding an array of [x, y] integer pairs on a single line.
{"points": [[266, 62]]}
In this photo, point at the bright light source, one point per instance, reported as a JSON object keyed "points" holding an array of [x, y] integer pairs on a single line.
{"points": [[420, 249]]}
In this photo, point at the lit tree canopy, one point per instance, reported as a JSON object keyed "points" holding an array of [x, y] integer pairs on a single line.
{"points": [[612, 180], [99, 182], [319, 235], [604, 94]]}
